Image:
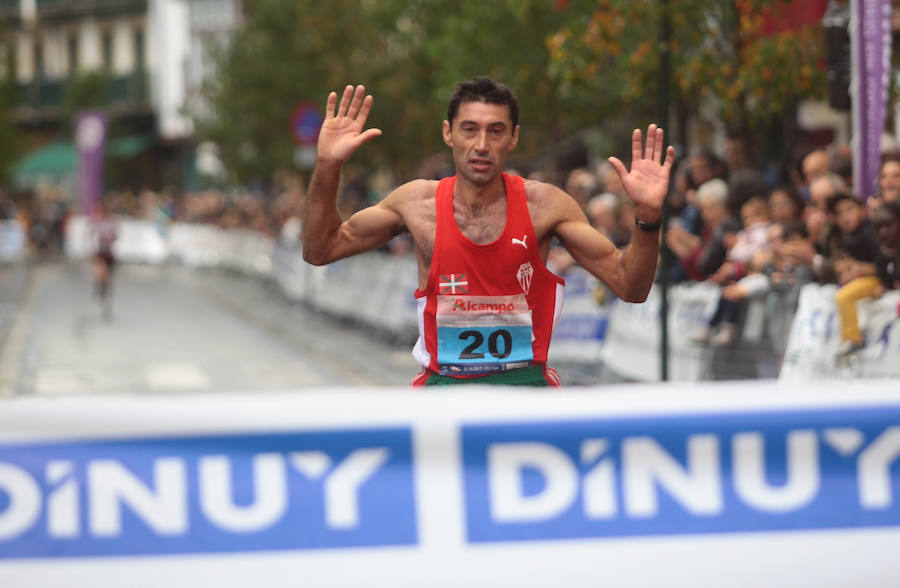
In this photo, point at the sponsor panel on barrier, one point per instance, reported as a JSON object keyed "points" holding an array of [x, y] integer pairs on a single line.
{"points": [[376, 290], [815, 336]]}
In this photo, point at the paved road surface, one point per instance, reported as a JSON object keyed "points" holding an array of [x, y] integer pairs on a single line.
{"points": [[175, 330]]}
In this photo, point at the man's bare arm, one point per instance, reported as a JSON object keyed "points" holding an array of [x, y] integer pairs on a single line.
{"points": [[630, 273], [326, 237]]}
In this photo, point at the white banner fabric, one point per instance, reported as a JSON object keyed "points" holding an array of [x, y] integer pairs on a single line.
{"points": [[741, 485]]}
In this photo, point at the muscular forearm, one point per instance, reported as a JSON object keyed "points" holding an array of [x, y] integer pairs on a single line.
{"points": [[321, 218], [639, 262]]}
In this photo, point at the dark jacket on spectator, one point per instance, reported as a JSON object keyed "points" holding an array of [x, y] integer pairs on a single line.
{"points": [[704, 262], [862, 244]]}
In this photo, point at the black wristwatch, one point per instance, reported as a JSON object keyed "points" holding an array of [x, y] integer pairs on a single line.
{"points": [[649, 227]]}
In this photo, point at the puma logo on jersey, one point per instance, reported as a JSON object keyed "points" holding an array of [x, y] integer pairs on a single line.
{"points": [[520, 241]]}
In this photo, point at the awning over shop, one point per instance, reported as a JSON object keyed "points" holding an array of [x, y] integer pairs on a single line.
{"points": [[59, 159], [54, 161]]}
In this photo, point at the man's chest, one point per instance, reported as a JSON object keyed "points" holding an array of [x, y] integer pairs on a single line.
{"points": [[486, 227], [481, 225]]}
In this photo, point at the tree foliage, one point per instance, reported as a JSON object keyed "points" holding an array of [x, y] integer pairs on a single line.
{"points": [[291, 52], [409, 54], [10, 141], [575, 65], [728, 56]]}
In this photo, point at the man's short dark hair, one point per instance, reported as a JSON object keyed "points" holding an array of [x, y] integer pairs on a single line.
{"points": [[483, 89], [893, 207], [835, 199], [794, 229]]}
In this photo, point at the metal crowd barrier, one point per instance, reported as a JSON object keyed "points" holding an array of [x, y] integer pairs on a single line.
{"points": [[788, 334]]}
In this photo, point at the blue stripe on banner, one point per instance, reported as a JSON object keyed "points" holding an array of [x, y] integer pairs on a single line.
{"points": [[334, 489], [682, 474]]}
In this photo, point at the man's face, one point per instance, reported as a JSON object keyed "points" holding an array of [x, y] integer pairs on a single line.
{"points": [[820, 190], [481, 137], [734, 154], [888, 228], [712, 212], [782, 206], [814, 165], [889, 181], [700, 170], [848, 215]]}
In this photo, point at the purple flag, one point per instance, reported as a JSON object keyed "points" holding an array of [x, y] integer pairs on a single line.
{"points": [[870, 37], [90, 140]]}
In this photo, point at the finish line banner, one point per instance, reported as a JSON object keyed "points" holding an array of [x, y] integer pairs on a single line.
{"points": [[744, 484]]}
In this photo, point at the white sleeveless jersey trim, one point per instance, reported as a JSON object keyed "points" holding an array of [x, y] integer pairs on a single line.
{"points": [[558, 307], [420, 351]]}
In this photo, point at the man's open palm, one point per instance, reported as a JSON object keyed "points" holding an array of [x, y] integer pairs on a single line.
{"points": [[648, 181], [342, 130]]}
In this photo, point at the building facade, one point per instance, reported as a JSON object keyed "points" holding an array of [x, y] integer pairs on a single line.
{"points": [[151, 55]]}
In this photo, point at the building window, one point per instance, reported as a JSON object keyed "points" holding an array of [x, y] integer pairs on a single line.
{"points": [[139, 50], [107, 48], [38, 59], [72, 47]]}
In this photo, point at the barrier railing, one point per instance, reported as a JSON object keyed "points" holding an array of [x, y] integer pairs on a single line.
{"points": [[781, 336], [13, 243]]}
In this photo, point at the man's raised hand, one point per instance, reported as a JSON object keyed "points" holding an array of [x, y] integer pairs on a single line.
{"points": [[342, 130], [648, 181]]}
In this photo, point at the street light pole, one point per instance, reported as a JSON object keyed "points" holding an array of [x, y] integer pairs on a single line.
{"points": [[665, 76]]}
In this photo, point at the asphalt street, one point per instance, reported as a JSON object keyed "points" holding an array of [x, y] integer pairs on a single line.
{"points": [[176, 330]]}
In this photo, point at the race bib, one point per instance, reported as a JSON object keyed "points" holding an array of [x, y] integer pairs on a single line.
{"points": [[483, 334]]}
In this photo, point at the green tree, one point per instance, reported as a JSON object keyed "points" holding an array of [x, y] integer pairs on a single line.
{"points": [[11, 147], [408, 53], [504, 39], [87, 91], [727, 56], [9, 137], [290, 52]]}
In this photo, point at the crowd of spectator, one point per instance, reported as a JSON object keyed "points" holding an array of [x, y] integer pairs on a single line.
{"points": [[730, 223], [731, 228], [44, 211], [752, 234]]}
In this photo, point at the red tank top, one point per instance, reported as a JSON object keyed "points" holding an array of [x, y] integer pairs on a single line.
{"points": [[486, 308]]}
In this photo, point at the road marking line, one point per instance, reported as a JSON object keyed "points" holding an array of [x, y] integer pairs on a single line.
{"points": [[176, 376], [60, 381]]}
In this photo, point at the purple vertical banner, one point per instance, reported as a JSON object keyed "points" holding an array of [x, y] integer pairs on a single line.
{"points": [[90, 140], [870, 39]]}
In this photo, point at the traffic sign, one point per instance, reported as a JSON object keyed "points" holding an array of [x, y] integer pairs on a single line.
{"points": [[306, 120]]}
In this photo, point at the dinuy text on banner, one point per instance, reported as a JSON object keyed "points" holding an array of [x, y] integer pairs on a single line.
{"points": [[870, 51], [419, 489], [758, 471], [207, 494]]}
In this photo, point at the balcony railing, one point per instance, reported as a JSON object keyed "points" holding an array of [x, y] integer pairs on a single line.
{"points": [[129, 90], [50, 9], [63, 10], [9, 8]]}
